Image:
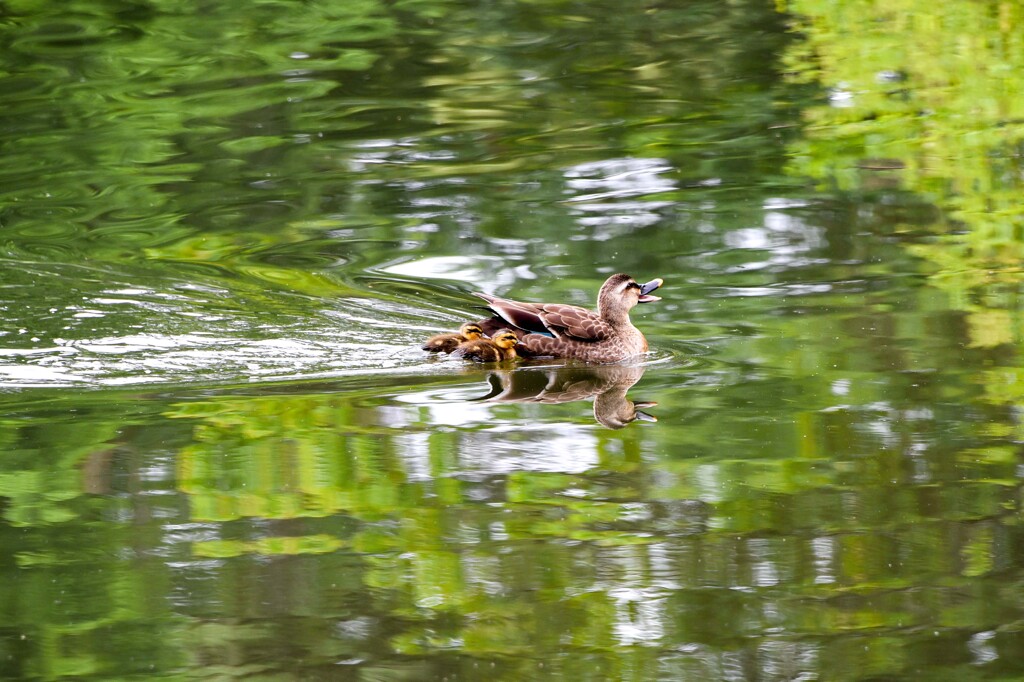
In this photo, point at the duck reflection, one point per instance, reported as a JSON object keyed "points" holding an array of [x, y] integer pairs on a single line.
{"points": [[606, 384]]}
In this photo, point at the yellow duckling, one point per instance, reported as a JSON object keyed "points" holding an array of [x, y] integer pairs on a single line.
{"points": [[498, 348], [446, 343]]}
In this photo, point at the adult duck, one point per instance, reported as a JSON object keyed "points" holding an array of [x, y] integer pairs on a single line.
{"points": [[568, 331]]}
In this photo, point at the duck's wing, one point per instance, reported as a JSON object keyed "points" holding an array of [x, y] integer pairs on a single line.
{"points": [[575, 322], [550, 319], [525, 316]]}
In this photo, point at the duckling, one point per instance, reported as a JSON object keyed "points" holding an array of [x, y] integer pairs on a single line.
{"points": [[500, 347], [446, 343]]}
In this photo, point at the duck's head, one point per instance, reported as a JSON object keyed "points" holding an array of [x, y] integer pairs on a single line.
{"points": [[620, 293], [505, 339], [471, 331]]}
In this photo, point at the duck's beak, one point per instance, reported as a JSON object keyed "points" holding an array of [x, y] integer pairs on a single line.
{"points": [[646, 289]]}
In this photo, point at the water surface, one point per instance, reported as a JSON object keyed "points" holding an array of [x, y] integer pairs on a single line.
{"points": [[224, 234]]}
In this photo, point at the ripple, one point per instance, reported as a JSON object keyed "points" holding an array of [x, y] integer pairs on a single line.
{"points": [[44, 250], [62, 37], [51, 229], [118, 326], [619, 178], [29, 376], [131, 231], [191, 333]]}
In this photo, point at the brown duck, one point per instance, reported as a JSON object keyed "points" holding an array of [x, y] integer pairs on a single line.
{"points": [[446, 343], [568, 331], [500, 347]]}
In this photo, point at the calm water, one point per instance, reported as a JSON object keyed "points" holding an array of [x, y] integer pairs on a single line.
{"points": [[224, 232]]}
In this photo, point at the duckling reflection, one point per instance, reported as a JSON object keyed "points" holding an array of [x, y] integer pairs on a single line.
{"points": [[606, 384], [446, 343]]}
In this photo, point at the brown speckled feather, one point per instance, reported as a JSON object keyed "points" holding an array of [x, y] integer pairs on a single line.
{"points": [[557, 319], [578, 323]]}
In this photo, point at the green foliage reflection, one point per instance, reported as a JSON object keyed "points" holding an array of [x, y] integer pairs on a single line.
{"points": [[930, 99]]}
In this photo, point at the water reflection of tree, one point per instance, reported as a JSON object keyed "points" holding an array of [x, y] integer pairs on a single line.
{"points": [[247, 530], [934, 92]]}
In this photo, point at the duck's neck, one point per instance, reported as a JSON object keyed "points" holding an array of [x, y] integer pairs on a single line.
{"points": [[616, 316]]}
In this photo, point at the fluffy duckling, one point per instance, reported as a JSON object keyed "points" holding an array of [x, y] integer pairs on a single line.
{"points": [[446, 343], [500, 347]]}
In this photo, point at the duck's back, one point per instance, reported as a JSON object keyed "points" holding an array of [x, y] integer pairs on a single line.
{"points": [[443, 343]]}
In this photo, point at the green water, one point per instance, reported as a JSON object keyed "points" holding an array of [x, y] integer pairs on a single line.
{"points": [[225, 229]]}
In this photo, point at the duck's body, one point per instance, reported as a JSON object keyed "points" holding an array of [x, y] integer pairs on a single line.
{"points": [[499, 348], [568, 331], [446, 343]]}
